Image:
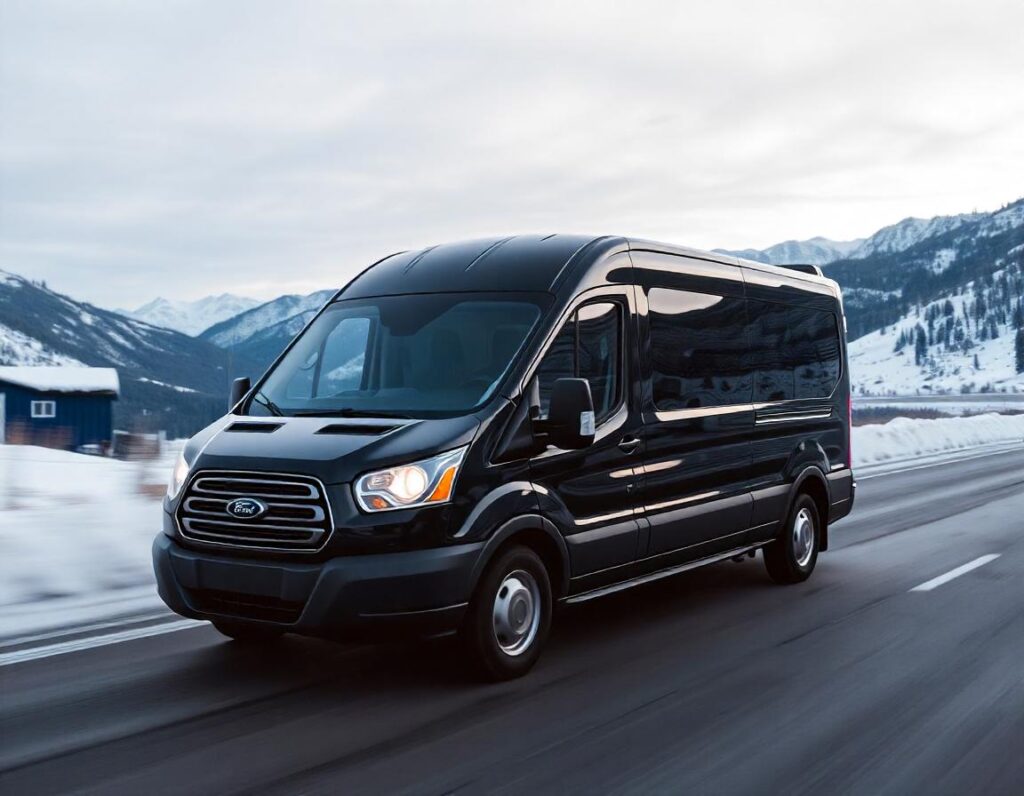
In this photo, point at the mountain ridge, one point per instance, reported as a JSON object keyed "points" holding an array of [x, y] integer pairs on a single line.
{"points": [[889, 239], [191, 317]]}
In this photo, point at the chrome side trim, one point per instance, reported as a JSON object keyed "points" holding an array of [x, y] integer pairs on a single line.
{"points": [[790, 417], [668, 415], [662, 573]]}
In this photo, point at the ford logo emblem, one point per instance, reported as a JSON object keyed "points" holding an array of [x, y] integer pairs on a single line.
{"points": [[246, 508]]}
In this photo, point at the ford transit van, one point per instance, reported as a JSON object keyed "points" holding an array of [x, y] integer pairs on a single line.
{"points": [[467, 436]]}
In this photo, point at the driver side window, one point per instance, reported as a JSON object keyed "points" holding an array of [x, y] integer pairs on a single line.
{"points": [[589, 346]]}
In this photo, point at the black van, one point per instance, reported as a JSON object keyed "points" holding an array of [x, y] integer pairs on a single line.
{"points": [[467, 435]]}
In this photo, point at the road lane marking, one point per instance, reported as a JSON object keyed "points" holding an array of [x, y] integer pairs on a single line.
{"points": [[64, 647], [928, 585], [79, 630]]}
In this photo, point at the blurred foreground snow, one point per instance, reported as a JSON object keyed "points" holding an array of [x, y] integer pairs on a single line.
{"points": [[75, 531]]}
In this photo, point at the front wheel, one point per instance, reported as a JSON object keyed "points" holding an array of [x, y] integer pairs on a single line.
{"points": [[792, 556], [509, 616]]}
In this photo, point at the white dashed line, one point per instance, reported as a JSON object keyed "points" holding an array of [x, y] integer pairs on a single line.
{"points": [[928, 585]]}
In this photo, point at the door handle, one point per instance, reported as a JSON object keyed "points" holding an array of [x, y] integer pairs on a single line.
{"points": [[629, 444]]}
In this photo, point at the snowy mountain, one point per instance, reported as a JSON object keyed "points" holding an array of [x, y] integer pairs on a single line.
{"points": [[909, 232], [959, 343], [191, 317], [240, 328], [821, 251], [816, 251], [942, 315], [169, 380], [262, 333]]}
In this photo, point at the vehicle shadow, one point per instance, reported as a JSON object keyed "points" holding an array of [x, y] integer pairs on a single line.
{"points": [[613, 621]]}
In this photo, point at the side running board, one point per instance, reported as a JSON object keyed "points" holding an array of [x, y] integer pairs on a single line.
{"points": [[661, 573]]}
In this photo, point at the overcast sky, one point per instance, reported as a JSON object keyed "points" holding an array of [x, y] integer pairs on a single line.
{"points": [[186, 148]]}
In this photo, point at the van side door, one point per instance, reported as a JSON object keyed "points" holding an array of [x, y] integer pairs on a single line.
{"points": [[590, 494], [698, 415]]}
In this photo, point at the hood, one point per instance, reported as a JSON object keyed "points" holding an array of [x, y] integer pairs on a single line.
{"points": [[333, 449]]}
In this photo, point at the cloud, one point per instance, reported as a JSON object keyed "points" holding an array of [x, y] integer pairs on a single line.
{"points": [[187, 148]]}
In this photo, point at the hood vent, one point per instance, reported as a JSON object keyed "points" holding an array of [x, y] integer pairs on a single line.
{"points": [[254, 428], [369, 429]]}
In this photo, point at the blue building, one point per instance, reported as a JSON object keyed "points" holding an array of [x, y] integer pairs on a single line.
{"points": [[58, 407]]}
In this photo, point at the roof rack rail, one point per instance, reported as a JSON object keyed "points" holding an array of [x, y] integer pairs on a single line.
{"points": [[804, 268]]}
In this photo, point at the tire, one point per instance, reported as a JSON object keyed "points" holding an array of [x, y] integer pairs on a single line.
{"points": [[509, 615], [792, 556], [247, 634]]}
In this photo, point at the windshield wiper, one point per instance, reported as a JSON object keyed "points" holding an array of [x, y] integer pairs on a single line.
{"points": [[265, 402], [350, 412]]}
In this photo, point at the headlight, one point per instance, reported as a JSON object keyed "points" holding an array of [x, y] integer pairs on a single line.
{"points": [[178, 476], [424, 483]]}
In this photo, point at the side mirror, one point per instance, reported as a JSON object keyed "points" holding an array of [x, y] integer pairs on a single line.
{"points": [[570, 421], [239, 389]]}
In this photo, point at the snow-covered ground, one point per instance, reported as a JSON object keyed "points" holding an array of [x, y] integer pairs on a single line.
{"points": [[76, 531], [876, 368], [20, 349]]}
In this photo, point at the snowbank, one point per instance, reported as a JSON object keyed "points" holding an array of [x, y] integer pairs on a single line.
{"points": [[904, 438]]}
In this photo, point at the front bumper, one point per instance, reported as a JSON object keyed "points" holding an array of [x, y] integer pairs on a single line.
{"points": [[421, 592]]}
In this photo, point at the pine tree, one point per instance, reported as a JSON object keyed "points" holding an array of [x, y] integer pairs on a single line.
{"points": [[1020, 350], [977, 365]]}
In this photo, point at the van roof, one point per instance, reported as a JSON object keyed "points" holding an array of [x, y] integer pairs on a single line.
{"points": [[520, 263]]}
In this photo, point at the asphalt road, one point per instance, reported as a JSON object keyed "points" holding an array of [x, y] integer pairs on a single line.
{"points": [[715, 681]]}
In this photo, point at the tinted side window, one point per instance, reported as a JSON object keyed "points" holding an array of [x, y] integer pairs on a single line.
{"points": [[699, 350], [798, 351], [589, 347]]}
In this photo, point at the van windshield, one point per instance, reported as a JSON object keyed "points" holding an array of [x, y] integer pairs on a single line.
{"points": [[418, 355]]}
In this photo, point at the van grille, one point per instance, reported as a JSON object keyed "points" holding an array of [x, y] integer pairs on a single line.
{"points": [[297, 518]]}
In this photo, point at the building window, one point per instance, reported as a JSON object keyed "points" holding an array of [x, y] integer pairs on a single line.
{"points": [[44, 409]]}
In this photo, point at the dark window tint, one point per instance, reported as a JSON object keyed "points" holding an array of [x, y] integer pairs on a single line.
{"points": [[588, 346], [797, 350], [699, 350]]}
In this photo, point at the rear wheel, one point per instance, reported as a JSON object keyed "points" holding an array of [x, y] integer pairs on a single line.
{"points": [[246, 633], [792, 556], [509, 616]]}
